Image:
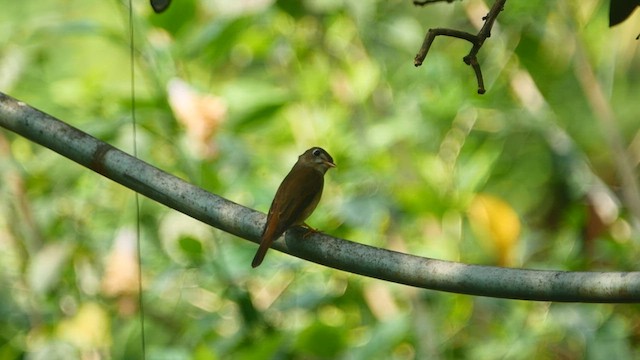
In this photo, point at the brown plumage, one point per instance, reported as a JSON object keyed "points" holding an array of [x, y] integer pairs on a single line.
{"points": [[296, 198]]}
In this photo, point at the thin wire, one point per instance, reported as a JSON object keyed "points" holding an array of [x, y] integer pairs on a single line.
{"points": [[135, 154]]}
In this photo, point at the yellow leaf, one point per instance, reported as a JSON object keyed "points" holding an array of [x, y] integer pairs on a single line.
{"points": [[497, 224]]}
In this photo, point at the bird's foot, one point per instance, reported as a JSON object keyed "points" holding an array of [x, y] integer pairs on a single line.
{"points": [[310, 230]]}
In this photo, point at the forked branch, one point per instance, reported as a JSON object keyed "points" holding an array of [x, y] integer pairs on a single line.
{"points": [[476, 40]]}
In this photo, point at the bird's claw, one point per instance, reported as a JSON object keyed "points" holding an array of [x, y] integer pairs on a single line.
{"points": [[310, 230]]}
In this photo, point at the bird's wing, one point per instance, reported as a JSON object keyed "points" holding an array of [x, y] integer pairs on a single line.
{"points": [[307, 189]]}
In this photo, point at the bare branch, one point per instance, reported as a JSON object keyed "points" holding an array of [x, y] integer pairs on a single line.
{"points": [[431, 35], [476, 40], [543, 285], [427, 2], [473, 62]]}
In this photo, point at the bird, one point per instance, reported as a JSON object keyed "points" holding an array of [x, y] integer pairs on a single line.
{"points": [[296, 198]]}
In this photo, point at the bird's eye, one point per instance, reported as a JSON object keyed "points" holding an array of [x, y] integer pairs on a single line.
{"points": [[316, 152]]}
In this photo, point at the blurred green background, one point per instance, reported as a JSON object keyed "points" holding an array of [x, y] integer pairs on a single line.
{"points": [[228, 94]]}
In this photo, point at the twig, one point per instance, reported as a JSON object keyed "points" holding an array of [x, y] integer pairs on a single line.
{"points": [[476, 40], [427, 2], [473, 62], [543, 285]]}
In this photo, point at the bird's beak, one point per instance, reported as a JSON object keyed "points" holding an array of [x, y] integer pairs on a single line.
{"points": [[329, 164]]}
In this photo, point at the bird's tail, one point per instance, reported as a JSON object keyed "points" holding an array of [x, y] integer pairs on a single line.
{"points": [[265, 243]]}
